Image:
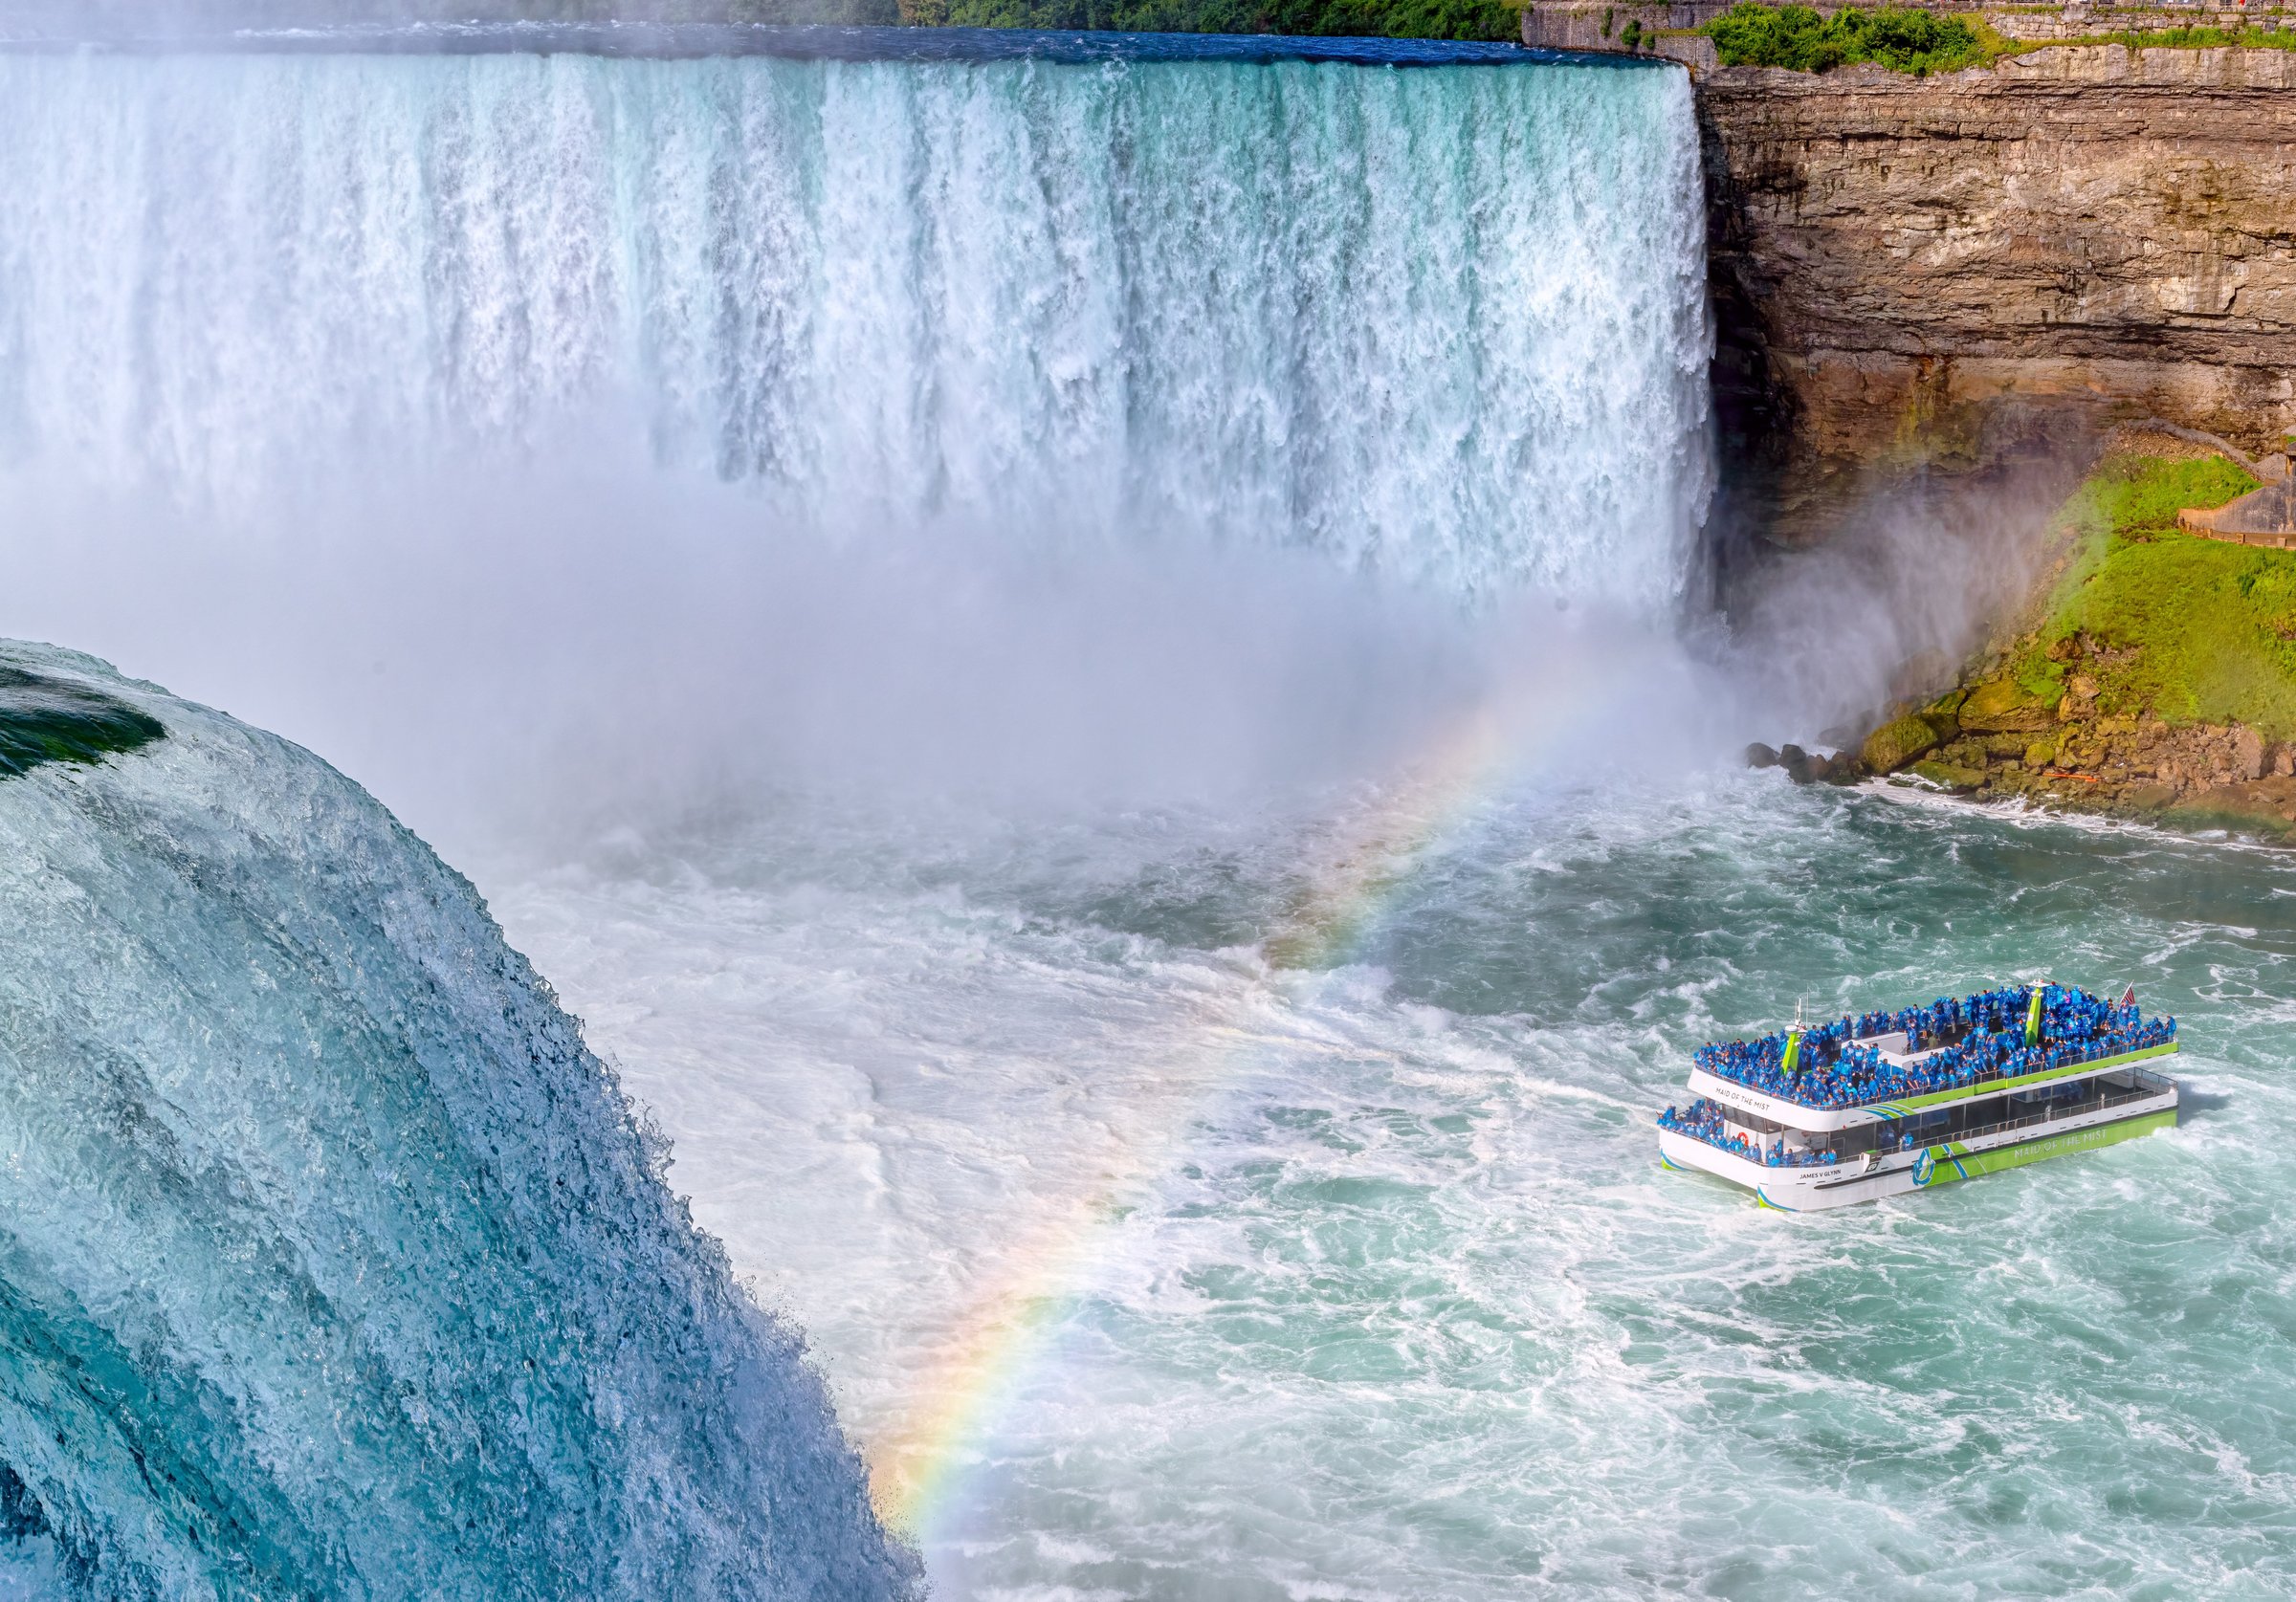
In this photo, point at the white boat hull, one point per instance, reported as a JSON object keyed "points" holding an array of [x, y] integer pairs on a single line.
{"points": [[1806, 1190]]}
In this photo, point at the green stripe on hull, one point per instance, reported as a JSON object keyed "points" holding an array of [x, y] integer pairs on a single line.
{"points": [[1955, 1161], [1996, 1086]]}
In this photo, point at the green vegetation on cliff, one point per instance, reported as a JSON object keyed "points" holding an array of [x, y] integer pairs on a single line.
{"points": [[2155, 677], [1394, 19], [1903, 38], [2191, 630], [1908, 39], [2238, 37]]}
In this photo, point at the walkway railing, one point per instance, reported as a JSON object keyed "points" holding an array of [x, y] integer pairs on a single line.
{"points": [[1984, 1076]]}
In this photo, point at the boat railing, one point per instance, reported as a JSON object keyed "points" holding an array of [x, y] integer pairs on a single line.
{"points": [[2147, 1086], [1756, 1155], [1984, 1076]]}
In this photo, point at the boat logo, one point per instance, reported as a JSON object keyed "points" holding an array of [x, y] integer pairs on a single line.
{"points": [[1925, 1165]]}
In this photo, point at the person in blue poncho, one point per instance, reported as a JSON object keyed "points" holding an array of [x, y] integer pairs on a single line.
{"points": [[1995, 1034]]}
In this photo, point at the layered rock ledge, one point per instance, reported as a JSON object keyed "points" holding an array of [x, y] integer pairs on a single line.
{"points": [[1960, 270]]}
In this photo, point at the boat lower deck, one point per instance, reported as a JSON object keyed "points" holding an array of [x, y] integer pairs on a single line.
{"points": [[1877, 1160]]}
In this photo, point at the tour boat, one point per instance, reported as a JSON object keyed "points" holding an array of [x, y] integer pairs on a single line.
{"points": [[1824, 1114]]}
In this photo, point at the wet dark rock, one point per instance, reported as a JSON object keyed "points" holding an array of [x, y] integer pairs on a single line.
{"points": [[1804, 767], [1954, 778], [2004, 706]]}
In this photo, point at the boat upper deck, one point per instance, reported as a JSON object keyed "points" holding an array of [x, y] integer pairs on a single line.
{"points": [[1882, 1066]]}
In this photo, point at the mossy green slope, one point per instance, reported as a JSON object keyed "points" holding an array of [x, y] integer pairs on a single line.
{"points": [[2155, 678], [48, 720], [2192, 630]]}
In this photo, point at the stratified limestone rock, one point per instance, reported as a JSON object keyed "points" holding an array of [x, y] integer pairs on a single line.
{"points": [[1948, 270]]}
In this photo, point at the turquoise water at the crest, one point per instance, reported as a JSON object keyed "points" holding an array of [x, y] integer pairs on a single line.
{"points": [[335, 1264]]}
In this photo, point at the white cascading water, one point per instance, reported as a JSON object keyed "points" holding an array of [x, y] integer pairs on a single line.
{"points": [[1281, 362], [1445, 324], [334, 1263]]}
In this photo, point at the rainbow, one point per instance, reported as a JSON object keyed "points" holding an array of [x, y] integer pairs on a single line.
{"points": [[1352, 874]]}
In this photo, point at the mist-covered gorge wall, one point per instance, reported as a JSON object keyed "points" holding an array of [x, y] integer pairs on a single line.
{"points": [[1445, 324]]}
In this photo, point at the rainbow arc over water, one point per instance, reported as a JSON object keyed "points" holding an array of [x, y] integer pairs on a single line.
{"points": [[1011, 1321]]}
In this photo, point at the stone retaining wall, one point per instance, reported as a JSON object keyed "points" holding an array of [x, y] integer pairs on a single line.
{"points": [[2265, 516]]}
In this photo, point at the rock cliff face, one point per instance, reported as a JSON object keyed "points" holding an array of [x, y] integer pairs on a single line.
{"points": [[1954, 271]]}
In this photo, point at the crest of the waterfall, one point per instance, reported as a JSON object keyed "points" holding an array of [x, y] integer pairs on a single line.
{"points": [[1446, 325], [334, 1264]]}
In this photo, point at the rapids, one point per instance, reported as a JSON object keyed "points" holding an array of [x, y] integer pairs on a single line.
{"points": [[1366, 1281]]}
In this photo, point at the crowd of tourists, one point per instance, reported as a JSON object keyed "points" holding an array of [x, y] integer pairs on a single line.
{"points": [[1949, 1018], [1701, 1120], [1991, 1035]]}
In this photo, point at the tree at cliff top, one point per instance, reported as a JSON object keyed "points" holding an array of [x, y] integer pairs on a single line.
{"points": [[1901, 38], [1396, 19]]}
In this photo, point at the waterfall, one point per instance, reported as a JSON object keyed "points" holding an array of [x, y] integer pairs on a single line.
{"points": [[1445, 324], [333, 1261], [334, 1264]]}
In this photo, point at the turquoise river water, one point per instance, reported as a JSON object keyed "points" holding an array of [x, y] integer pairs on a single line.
{"points": [[1406, 1306]]}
